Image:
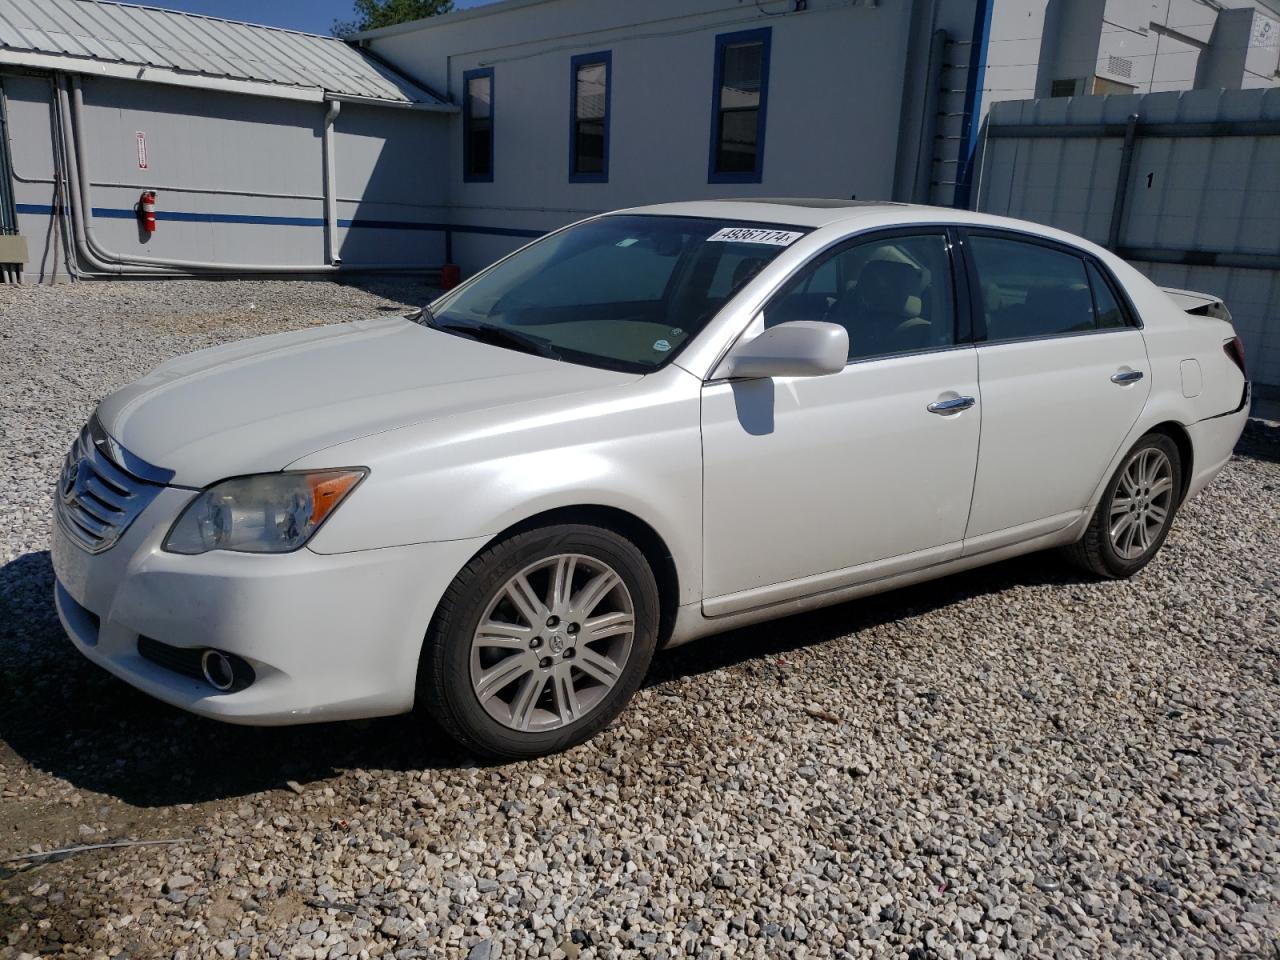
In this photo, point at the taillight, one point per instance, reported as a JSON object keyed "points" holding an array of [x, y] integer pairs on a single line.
{"points": [[1234, 349]]}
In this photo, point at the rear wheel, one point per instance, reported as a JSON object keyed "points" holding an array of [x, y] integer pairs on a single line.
{"points": [[540, 641], [1136, 511]]}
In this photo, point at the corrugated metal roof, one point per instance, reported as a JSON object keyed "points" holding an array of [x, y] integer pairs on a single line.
{"points": [[103, 31]]}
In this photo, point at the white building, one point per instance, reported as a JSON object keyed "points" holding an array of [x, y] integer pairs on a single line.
{"points": [[268, 150], [456, 138], [574, 106], [1056, 48]]}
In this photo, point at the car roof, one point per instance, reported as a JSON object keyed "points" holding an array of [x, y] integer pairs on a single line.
{"points": [[851, 215]]}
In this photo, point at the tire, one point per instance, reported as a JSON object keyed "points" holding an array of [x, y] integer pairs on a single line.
{"points": [[1125, 532], [571, 645]]}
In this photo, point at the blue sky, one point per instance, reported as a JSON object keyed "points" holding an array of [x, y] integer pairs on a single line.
{"points": [[314, 16]]}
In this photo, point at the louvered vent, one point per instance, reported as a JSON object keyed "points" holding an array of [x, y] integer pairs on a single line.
{"points": [[1120, 66]]}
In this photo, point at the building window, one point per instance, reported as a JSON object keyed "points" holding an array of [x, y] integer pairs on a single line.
{"points": [[1062, 88], [477, 125], [738, 107], [589, 77]]}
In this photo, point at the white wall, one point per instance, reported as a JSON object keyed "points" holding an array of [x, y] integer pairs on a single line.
{"points": [[1199, 195], [834, 103], [216, 159], [1157, 45]]}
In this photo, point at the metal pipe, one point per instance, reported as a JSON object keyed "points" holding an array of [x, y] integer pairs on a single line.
{"points": [[84, 247], [974, 84], [330, 184], [108, 261], [62, 188], [923, 185], [1122, 183]]}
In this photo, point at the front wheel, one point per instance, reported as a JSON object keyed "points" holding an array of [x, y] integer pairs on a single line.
{"points": [[540, 641], [1136, 511]]}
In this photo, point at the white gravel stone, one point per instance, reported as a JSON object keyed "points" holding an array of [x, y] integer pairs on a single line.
{"points": [[1016, 761]]}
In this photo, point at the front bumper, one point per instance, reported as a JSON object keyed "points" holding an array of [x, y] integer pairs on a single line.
{"points": [[329, 637]]}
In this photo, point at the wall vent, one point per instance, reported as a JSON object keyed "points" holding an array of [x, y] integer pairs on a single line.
{"points": [[1120, 66]]}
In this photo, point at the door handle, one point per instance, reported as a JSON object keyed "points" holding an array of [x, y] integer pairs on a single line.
{"points": [[944, 407], [1127, 376]]}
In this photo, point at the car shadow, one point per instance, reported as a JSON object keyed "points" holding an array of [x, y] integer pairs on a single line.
{"points": [[1260, 440], [67, 717]]}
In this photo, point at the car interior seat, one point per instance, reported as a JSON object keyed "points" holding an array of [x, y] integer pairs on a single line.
{"points": [[882, 312], [1046, 311]]}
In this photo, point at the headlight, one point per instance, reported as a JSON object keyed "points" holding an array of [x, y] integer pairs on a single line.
{"points": [[268, 513]]}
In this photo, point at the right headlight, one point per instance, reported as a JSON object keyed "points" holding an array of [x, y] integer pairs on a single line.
{"points": [[266, 513]]}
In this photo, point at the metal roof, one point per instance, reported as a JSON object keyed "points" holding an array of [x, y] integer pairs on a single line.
{"points": [[90, 36]]}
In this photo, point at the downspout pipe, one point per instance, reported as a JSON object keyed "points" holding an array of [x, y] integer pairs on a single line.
{"points": [[103, 259], [331, 185], [975, 81], [84, 248], [922, 185]]}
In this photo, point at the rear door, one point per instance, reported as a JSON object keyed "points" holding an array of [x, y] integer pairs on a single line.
{"points": [[1062, 368]]}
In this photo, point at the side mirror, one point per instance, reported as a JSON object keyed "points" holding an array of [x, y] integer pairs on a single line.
{"points": [[801, 348]]}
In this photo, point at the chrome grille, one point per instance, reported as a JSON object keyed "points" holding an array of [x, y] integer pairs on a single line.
{"points": [[97, 497]]}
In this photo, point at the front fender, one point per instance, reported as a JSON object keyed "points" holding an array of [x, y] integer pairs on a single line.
{"points": [[635, 448]]}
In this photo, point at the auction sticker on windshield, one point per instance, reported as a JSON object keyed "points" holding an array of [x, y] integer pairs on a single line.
{"points": [[776, 238]]}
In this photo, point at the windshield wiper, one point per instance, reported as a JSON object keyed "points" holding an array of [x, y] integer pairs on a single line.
{"points": [[498, 336]]}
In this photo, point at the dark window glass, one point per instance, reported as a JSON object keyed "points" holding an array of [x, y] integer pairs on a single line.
{"points": [[625, 292], [739, 89], [1110, 313], [479, 127], [590, 117], [1030, 290], [893, 295]]}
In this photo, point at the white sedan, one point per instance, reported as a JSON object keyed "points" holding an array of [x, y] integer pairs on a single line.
{"points": [[645, 428]]}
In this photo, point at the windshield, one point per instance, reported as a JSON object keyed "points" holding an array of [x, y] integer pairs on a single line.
{"points": [[623, 292]]}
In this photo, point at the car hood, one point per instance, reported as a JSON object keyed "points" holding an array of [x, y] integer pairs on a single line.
{"points": [[258, 405]]}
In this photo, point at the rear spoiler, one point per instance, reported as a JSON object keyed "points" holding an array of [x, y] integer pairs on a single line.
{"points": [[1199, 304]]}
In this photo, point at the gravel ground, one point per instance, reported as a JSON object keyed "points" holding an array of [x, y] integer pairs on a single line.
{"points": [[1012, 762]]}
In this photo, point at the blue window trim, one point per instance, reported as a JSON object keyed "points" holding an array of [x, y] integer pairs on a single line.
{"points": [[763, 35], [467, 77], [581, 60]]}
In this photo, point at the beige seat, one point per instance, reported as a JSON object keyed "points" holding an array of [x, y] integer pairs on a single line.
{"points": [[882, 310]]}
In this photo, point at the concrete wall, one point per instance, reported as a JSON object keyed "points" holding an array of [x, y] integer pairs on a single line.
{"points": [[1187, 198], [31, 150], [239, 178], [1148, 45], [835, 102]]}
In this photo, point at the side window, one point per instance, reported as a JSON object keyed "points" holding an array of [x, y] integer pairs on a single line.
{"points": [[589, 131], [893, 295], [477, 125], [1028, 290], [738, 107], [1108, 309]]}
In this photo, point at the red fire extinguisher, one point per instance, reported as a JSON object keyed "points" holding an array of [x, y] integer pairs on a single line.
{"points": [[147, 210]]}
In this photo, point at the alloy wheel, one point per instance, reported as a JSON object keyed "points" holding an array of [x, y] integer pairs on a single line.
{"points": [[1142, 503], [553, 641]]}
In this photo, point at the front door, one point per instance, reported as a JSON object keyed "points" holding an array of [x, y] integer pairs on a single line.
{"points": [[815, 483]]}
